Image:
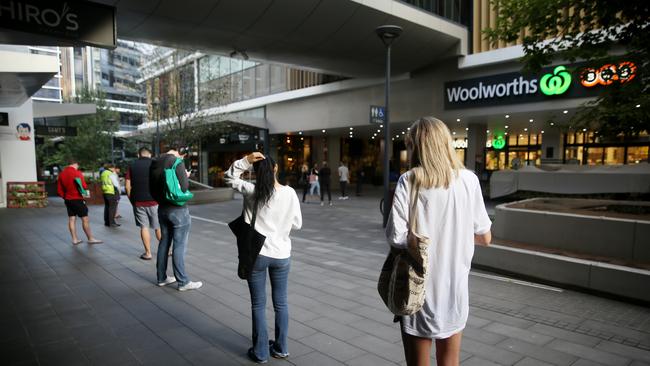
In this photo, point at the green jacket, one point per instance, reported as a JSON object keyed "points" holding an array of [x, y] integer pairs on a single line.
{"points": [[107, 182]]}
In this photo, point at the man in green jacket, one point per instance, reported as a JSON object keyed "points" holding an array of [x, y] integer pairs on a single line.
{"points": [[111, 191]]}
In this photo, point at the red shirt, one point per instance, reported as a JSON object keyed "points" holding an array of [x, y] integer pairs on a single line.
{"points": [[66, 186]]}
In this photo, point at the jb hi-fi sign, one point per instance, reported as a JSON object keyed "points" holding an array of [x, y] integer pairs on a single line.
{"points": [[56, 22], [573, 81]]}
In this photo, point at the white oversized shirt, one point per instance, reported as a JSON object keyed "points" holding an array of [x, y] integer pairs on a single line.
{"points": [[449, 218], [275, 219], [344, 173]]}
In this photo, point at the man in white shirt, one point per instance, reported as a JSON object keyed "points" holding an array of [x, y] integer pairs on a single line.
{"points": [[344, 177]]}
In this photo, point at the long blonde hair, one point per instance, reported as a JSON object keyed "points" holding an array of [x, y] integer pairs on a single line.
{"points": [[431, 153]]}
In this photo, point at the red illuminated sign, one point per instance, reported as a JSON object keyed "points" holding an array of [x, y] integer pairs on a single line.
{"points": [[608, 74]]}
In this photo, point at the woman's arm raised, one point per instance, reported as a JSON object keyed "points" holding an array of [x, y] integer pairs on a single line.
{"points": [[233, 174]]}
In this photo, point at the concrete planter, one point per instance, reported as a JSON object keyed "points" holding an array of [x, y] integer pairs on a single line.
{"points": [[212, 195], [617, 238]]}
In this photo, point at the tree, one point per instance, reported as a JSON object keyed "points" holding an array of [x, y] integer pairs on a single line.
{"points": [[597, 32], [92, 145]]}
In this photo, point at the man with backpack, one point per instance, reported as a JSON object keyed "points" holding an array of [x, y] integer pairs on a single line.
{"points": [[168, 181]]}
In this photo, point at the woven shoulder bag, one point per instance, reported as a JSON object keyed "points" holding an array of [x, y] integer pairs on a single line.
{"points": [[401, 283]]}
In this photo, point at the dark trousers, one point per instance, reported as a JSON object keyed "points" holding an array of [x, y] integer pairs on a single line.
{"points": [[325, 187], [305, 189], [343, 185], [110, 208]]}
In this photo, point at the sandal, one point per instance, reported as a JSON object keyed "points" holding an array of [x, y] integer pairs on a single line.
{"points": [[95, 241], [144, 257], [77, 242]]}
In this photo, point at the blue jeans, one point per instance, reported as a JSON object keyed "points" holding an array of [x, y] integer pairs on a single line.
{"points": [[279, 273], [175, 226], [314, 187]]}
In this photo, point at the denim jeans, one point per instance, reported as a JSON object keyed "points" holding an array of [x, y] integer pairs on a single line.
{"points": [[314, 187], [279, 274], [175, 226]]}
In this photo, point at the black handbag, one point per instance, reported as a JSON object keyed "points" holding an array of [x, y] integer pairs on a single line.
{"points": [[249, 243]]}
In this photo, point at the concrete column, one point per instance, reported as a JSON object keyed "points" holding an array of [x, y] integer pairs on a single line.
{"points": [[333, 153], [552, 146], [204, 163], [476, 138]]}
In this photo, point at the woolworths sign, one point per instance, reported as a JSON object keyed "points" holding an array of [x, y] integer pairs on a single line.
{"points": [[512, 88]]}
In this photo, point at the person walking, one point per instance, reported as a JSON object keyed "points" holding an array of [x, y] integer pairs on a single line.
{"points": [[314, 185], [70, 185], [304, 180], [324, 175], [344, 178], [277, 212], [145, 208], [175, 221], [110, 189], [451, 213]]}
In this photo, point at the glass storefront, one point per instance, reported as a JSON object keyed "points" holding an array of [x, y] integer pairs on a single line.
{"points": [[519, 150], [587, 148]]}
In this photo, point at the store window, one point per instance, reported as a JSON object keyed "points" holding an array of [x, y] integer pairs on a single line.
{"points": [[637, 154], [615, 155], [595, 155]]}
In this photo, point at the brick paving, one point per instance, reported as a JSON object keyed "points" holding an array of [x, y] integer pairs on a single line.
{"points": [[65, 305]]}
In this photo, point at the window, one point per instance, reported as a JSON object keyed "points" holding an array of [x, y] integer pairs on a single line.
{"points": [[262, 82], [637, 154], [614, 155], [595, 156]]}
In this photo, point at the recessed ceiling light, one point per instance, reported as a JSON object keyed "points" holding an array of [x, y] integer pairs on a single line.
{"points": [[638, 105], [565, 111], [300, 133], [323, 131], [373, 137], [403, 133], [506, 133], [552, 124], [542, 131], [393, 139], [351, 128], [530, 120], [378, 130], [457, 119], [507, 116], [302, 139], [507, 127], [466, 128], [584, 130], [525, 129], [381, 126], [488, 131], [453, 133]]}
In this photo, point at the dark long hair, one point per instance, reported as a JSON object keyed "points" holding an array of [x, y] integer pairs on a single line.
{"points": [[265, 180]]}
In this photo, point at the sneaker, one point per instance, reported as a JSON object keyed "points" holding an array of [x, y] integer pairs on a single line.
{"points": [[190, 286], [330, 203], [167, 281], [254, 358], [274, 353], [322, 203]]}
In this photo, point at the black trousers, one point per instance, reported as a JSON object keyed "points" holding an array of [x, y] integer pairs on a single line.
{"points": [[305, 189], [325, 187], [343, 185], [110, 208]]}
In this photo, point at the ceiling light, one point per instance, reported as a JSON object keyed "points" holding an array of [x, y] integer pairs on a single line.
{"points": [[323, 131], [378, 130], [457, 119], [351, 128], [584, 130], [530, 120], [466, 128], [565, 111], [542, 131], [300, 133], [453, 133], [488, 131], [505, 133], [525, 129], [373, 137], [638, 105], [403, 133], [381, 126], [507, 116], [507, 127], [393, 139]]}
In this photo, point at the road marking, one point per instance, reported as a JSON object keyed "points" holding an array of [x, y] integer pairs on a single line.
{"points": [[518, 282], [477, 274], [210, 221]]}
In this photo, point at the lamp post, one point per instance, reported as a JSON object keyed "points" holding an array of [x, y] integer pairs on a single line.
{"points": [[156, 106], [111, 121], [388, 34]]}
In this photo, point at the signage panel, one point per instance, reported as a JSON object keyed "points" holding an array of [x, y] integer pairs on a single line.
{"points": [[56, 131], [512, 88], [4, 119], [71, 21], [377, 114]]}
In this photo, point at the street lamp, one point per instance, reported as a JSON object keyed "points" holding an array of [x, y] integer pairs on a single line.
{"points": [[156, 104], [388, 34]]}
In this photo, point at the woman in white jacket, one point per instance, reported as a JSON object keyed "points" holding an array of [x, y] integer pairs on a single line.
{"points": [[451, 213], [278, 211]]}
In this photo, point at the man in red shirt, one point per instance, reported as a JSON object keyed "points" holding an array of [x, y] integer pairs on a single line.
{"points": [[69, 186]]}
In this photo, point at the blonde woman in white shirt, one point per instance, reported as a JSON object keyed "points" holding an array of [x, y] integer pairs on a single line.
{"points": [[451, 213], [278, 211]]}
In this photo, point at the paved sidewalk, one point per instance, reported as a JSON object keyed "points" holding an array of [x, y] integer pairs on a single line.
{"points": [[65, 305]]}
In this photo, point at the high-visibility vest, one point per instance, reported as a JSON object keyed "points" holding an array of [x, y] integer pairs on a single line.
{"points": [[107, 183]]}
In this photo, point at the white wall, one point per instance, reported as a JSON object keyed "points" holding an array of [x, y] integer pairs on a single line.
{"points": [[17, 157]]}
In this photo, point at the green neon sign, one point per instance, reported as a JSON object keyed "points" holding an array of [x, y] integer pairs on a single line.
{"points": [[556, 83], [499, 142]]}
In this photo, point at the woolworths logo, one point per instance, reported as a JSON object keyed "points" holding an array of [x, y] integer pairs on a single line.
{"points": [[555, 83]]}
